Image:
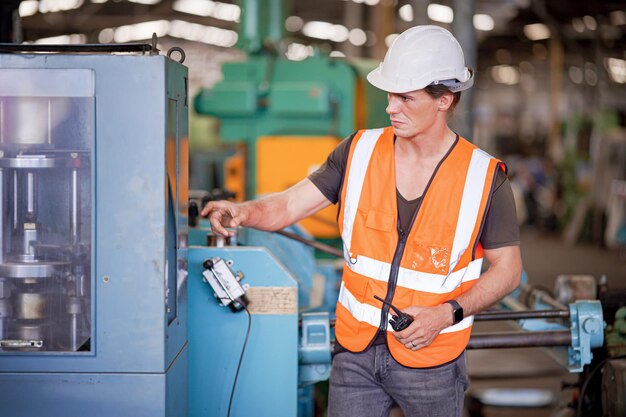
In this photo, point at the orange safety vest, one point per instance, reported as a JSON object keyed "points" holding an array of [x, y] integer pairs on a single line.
{"points": [[439, 260]]}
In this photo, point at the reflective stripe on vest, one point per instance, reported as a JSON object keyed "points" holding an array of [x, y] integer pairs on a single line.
{"points": [[442, 258]]}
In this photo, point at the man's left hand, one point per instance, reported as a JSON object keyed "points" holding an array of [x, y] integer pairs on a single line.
{"points": [[428, 322]]}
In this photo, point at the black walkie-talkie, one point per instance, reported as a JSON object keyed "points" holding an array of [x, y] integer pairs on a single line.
{"points": [[399, 322]]}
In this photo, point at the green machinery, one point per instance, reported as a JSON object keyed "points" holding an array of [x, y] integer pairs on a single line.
{"points": [[286, 115]]}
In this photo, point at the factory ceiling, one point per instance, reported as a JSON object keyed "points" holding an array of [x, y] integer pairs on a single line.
{"points": [[352, 27]]}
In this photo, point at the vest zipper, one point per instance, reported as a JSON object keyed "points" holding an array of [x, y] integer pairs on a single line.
{"points": [[397, 256]]}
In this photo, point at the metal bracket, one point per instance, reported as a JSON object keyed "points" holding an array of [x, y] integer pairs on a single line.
{"points": [[314, 349], [587, 328]]}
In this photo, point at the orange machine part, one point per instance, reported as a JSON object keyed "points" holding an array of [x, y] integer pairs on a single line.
{"points": [[235, 174], [283, 161]]}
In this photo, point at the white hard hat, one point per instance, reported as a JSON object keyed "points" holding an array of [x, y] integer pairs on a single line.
{"points": [[420, 56]]}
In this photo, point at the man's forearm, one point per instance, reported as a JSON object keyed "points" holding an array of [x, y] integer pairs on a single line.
{"points": [[267, 213], [500, 279]]}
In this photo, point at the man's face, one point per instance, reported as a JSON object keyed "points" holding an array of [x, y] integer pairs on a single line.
{"points": [[413, 113]]}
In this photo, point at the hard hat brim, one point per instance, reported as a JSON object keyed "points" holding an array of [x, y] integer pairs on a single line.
{"points": [[376, 78]]}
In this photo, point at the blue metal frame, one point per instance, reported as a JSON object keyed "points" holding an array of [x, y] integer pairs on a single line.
{"points": [[138, 362]]}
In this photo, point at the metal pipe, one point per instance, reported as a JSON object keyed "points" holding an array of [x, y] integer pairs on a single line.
{"points": [[519, 339], [15, 200], [74, 223], [2, 216], [94, 48], [313, 243], [518, 315], [31, 215]]}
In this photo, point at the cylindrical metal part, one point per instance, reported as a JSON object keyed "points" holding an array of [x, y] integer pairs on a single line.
{"points": [[30, 196], [30, 237], [74, 212], [518, 315], [2, 215], [519, 339], [74, 332], [15, 200], [30, 306], [29, 332]]}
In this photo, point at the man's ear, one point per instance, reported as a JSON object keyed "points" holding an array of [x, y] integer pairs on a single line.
{"points": [[445, 101]]}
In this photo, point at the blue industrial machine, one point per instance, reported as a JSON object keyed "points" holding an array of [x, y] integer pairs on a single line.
{"points": [[271, 353], [93, 258]]}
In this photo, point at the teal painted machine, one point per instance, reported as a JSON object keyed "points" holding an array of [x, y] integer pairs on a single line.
{"points": [[270, 95]]}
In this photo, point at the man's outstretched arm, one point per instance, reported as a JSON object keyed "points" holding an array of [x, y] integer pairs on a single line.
{"points": [[271, 212]]}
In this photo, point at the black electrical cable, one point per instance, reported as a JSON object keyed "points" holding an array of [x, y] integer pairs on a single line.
{"points": [[581, 396], [243, 350]]}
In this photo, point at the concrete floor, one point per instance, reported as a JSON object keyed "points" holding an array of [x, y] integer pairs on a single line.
{"points": [[545, 257]]}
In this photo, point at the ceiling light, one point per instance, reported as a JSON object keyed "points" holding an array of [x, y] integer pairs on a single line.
{"points": [[617, 69], [140, 31], [483, 22], [201, 33], [145, 1], [106, 35], [357, 37], [298, 52], [590, 22], [575, 74], [578, 25], [440, 13], [339, 33], [337, 54], [293, 23], [537, 31], [52, 6], [372, 2], [406, 13], [390, 38], [591, 75], [28, 8], [208, 8], [618, 18], [505, 74], [63, 39], [325, 30]]}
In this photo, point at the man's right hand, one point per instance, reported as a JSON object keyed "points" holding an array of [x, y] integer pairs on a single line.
{"points": [[223, 214]]}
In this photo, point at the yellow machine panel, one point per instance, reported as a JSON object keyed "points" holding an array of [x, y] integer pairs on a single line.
{"points": [[283, 161]]}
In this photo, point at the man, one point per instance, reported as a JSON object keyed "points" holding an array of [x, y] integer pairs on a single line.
{"points": [[419, 210]]}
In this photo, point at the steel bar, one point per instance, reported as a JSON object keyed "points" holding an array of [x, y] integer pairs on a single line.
{"points": [[518, 315], [92, 48], [519, 339], [313, 243]]}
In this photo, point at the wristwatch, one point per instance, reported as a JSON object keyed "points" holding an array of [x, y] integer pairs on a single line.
{"points": [[457, 311]]}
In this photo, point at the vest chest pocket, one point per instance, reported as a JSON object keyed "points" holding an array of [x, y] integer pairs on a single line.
{"points": [[428, 257], [380, 220]]}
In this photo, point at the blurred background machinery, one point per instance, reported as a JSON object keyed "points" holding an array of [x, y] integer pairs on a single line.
{"points": [[93, 183]]}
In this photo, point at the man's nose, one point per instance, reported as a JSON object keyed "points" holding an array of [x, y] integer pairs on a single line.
{"points": [[392, 106]]}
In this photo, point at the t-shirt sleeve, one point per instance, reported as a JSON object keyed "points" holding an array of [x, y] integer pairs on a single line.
{"points": [[501, 227], [329, 176]]}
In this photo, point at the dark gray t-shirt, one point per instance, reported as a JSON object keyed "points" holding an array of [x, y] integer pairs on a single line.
{"points": [[500, 228]]}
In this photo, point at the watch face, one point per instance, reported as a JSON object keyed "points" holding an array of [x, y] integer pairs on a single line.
{"points": [[458, 315]]}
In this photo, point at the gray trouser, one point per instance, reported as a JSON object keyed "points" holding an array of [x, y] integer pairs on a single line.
{"points": [[367, 384]]}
